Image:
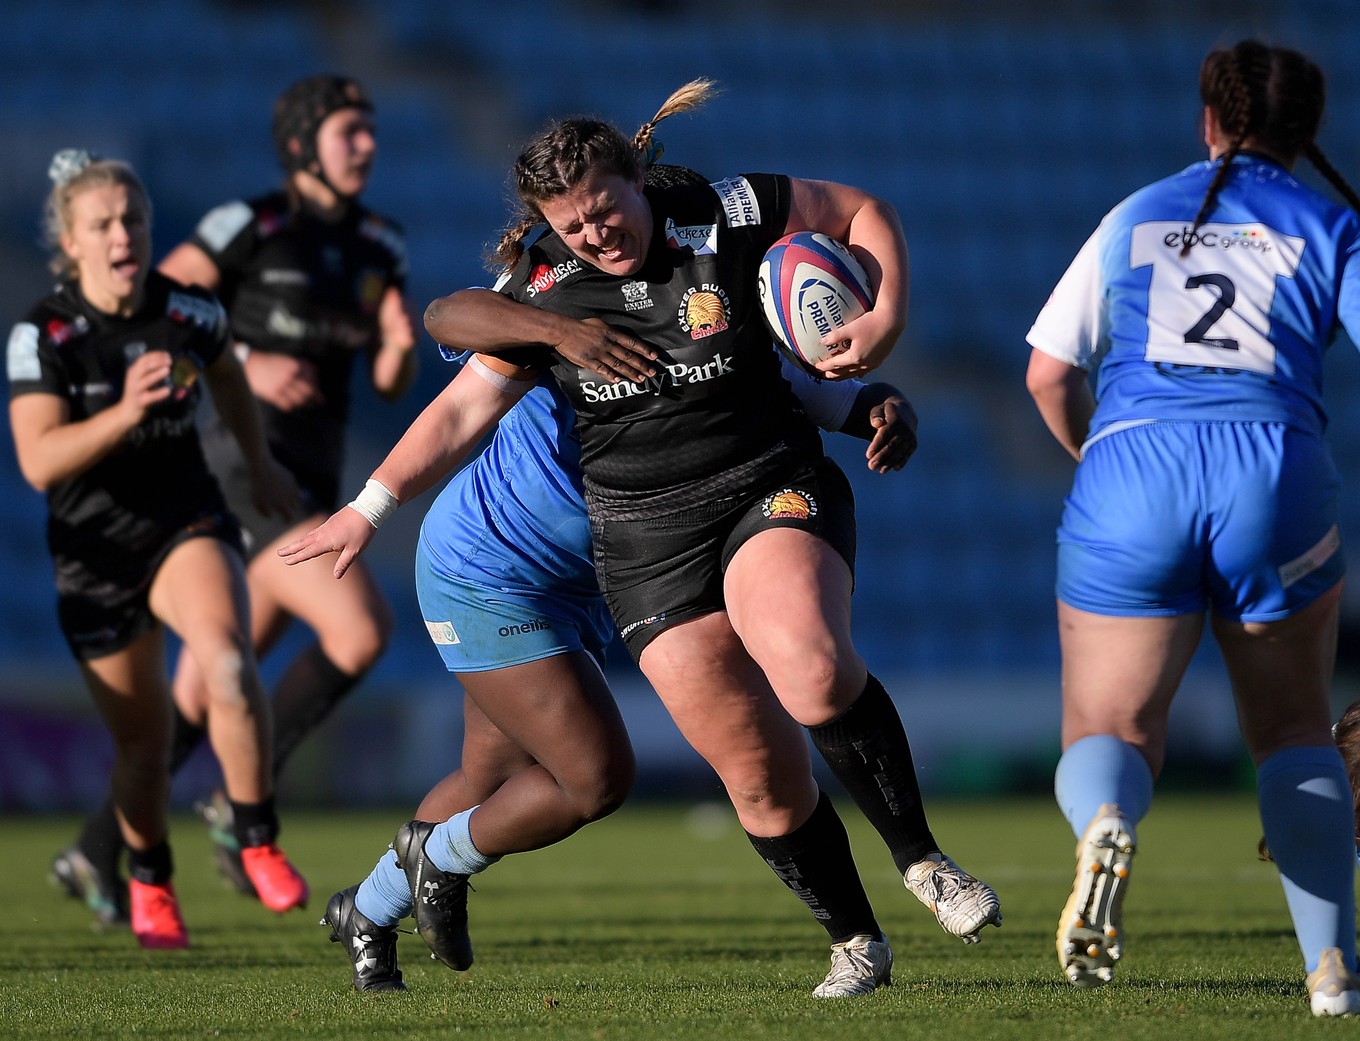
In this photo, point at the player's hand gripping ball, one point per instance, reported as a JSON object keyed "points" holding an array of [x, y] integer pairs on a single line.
{"points": [[810, 284]]}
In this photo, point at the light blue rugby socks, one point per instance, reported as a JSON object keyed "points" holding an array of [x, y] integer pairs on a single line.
{"points": [[1305, 800], [384, 897], [450, 846], [1097, 770]]}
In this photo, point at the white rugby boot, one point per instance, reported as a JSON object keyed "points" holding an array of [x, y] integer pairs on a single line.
{"points": [[859, 966], [962, 904], [1091, 930]]}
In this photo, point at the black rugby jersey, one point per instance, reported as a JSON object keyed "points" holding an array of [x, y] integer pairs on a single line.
{"points": [[135, 498], [297, 285], [718, 413]]}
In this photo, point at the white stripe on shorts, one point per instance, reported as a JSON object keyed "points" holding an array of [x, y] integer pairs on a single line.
{"points": [[1312, 559]]}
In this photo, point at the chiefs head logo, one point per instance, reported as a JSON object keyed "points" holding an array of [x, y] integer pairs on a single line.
{"points": [[703, 311], [789, 505]]}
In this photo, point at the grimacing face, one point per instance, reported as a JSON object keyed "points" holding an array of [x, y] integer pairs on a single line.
{"points": [[108, 237], [605, 220]]}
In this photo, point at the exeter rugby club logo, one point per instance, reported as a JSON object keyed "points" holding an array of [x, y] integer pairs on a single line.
{"points": [[789, 505], [636, 296], [704, 310]]}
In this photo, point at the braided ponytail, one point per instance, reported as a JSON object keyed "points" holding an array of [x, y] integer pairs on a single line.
{"points": [[1225, 85], [559, 158], [1272, 98]]}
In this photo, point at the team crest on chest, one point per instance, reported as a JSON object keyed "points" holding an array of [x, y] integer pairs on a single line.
{"points": [[789, 504], [704, 310], [636, 296]]}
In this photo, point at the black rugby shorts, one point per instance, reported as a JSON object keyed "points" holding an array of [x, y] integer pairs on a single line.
{"points": [[661, 572], [104, 606]]}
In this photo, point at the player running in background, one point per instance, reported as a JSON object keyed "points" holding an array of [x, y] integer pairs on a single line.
{"points": [[711, 501], [312, 280], [104, 382], [1203, 305]]}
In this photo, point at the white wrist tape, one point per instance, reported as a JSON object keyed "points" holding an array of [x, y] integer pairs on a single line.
{"points": [[375, 503]]}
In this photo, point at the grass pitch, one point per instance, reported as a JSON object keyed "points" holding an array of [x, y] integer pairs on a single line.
{"points": [[660, 923]]}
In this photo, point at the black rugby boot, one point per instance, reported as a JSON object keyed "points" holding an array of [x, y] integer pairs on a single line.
{"points": [[439, 898], [372, 948]]}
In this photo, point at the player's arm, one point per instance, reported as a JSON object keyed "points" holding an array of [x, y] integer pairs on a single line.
{"points": [[871, 229], [394, 361], [1063, 396], [188, 265], [489, 322], [875, 412], [433, 446], [884, 417], [281, 380], [272, 486], [51, 448]]}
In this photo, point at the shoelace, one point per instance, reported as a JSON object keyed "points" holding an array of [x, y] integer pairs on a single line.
{"points": [[850, 965], [451, 891]]}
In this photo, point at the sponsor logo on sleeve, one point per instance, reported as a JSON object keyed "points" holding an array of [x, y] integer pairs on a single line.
{"points": [[739, 202], [223, 224], [21, 356]]}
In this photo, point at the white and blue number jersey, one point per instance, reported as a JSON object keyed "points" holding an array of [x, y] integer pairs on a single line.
{"points": [[1236, 328]]}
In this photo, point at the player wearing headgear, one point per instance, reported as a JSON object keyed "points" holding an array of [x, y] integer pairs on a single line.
{"points": [[1203, 305], [710, 498], [105, 376], [313, 282]]}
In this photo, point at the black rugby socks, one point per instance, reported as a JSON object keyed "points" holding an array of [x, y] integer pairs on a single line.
{"points": [[815, 862], [309, 689], [867, 749]]}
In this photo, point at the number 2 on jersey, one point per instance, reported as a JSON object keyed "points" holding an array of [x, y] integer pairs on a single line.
{"points": [[1212, 308]]}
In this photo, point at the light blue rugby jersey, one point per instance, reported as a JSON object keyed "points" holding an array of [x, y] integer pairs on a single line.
{"points": [[514, 517], [1234, 330]]}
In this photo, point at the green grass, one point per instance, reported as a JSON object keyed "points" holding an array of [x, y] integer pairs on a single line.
{"points": [[661, 923]]}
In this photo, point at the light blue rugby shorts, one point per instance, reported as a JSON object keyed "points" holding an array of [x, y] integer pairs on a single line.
{"points": [[1168, 518], [477, 627]]}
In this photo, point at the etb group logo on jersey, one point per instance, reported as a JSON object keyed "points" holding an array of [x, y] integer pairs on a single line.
{"points": [[704, 310], [1254, 238], [789, 504], [543, 277]]}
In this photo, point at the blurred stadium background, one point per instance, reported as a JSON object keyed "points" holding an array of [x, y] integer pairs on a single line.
{"points": [[1002, 132]]}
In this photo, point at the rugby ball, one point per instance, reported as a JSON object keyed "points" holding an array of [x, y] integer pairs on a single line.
{"points": [[809, 285]]}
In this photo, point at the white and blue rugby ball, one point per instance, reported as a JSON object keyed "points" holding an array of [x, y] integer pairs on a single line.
{"points": [[810, 284]]}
